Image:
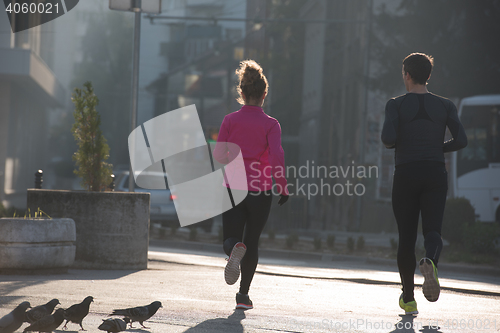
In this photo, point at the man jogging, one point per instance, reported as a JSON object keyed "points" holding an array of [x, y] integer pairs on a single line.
{"points": [[415, 125]]}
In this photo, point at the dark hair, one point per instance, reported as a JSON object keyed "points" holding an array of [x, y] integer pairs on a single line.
{"points": [[419, 65], [253, 83]]}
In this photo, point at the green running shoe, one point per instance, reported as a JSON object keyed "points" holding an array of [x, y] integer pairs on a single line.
{"points": [[410, 307], [430, 287]]}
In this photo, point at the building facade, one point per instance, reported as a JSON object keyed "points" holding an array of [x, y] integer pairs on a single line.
{"points": [[29, 89], [334, 107]]}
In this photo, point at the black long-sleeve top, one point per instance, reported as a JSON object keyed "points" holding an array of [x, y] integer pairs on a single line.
{"points": [[415, 124]]}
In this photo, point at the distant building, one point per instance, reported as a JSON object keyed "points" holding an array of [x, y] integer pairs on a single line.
{"points": [[201, 56], [333, 108], [29, 89]]}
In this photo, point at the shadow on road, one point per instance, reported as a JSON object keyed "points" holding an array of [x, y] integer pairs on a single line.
{"points": [[406, 325], [10, 284], [72, 274], [230, 324], [429, 329]]}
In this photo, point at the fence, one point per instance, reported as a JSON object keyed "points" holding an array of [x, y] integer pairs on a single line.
{"points": [[292, 215]]}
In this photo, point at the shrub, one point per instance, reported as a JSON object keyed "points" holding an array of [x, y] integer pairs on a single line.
{"points": [[394, 244], [3, 210], [350, 244], [458, 214], [463, 232], [11, 211], [291, 239], [173, 230], [360, 244], [317, 243], [93, 151], [482, 238], [28, 214], [193, 233], [221, 234], [330, 241]]}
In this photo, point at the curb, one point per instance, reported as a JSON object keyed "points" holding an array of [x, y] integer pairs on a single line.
{"points": [[325, 257]]}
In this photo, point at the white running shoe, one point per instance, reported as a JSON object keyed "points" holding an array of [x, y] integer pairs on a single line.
{"points": [[232, 270]]}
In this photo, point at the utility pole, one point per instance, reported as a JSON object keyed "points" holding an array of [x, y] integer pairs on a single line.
{"points": [[364, 114], [137, 7], [135, 80]]}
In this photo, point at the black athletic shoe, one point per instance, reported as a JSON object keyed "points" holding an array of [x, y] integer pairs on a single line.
{"points": [[243, 302]]}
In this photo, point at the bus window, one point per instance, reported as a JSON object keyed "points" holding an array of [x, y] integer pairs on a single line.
{"points": [[476, 147], [476, 168], [481, 127], [495, 136]]}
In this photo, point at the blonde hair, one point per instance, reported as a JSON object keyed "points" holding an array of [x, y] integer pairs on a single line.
{"points": [[253, 83]]}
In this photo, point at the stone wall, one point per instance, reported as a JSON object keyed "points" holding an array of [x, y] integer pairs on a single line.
{"points": [[112, 228], [36, 245]]}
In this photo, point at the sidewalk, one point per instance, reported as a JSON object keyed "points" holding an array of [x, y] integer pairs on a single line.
{"points": [[444, 268]]}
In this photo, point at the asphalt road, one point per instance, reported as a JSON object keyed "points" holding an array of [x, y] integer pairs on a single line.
{"points": [[288, 296]]}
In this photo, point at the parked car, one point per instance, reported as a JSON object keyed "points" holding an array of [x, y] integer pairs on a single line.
{"points": [[162, 208]]}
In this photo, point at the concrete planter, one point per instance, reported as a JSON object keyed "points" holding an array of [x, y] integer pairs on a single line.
{"points": [[36, 245], [112, 228]]}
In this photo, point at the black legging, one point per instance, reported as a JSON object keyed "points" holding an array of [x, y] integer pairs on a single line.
{"points": [[419, 187], [245, 222]]}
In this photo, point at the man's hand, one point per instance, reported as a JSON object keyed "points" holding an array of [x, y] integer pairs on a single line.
{"points": [[283, 199]]}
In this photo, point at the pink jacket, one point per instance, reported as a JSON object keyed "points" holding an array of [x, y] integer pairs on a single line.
{"points": [[259, 137]]}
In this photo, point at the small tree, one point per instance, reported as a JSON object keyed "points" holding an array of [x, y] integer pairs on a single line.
{"points": [[93, 151]]}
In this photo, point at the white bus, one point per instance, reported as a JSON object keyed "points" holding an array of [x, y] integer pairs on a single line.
{"points": [[476, 168]]}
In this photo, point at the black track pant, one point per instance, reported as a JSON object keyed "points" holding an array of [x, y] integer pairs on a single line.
{"points": [[418, 188], [244, 223]]}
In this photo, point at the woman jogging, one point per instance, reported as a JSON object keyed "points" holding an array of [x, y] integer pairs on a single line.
{"points": [[259, 137], [415, 126]]}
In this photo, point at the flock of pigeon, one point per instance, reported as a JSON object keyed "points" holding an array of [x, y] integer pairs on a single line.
{"points": [[42, 318]]}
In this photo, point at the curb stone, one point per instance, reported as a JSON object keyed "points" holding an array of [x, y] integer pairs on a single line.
{"points": [[324, 257]]}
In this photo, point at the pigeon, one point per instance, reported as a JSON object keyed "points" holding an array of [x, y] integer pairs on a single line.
{"points": [[12, 321], [77, 312], [47, 323], [38, 312], [140, 313], [114, 325]]}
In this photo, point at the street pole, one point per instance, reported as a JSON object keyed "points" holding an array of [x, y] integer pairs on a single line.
{"points": [[364, 114], [135, 81]]}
